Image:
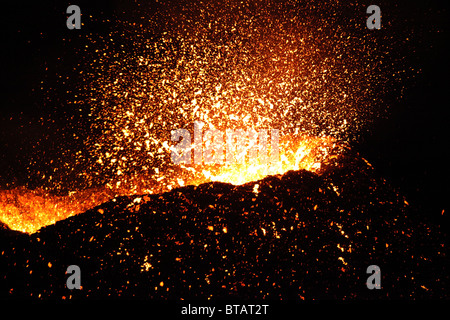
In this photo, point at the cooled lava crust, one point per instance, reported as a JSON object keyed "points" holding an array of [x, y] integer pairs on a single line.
{"points": [[294, 236]]}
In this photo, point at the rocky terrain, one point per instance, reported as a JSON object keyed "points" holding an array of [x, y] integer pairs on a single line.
{"points": [[295, 236]]}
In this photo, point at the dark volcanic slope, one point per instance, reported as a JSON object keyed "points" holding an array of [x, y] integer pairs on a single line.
{"points": [[296, 236]]}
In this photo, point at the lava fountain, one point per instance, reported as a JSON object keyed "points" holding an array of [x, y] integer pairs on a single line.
{"points": [[227, 68]]}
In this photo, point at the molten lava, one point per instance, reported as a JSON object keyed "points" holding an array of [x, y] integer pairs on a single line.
{"points": [[29, 210], [229, 69]]}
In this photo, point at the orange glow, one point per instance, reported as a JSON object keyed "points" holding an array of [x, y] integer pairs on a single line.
{"points": [[306, 153], [29, 210]]}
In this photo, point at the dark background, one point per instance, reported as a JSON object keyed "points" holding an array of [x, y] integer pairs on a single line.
{"points": [[409, 147]]}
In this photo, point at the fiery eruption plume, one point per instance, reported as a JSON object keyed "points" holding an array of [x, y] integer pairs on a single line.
{"points": [[219, 64]]}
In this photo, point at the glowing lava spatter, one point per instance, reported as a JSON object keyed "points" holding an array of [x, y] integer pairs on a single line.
{"points": [[223, 66]]}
